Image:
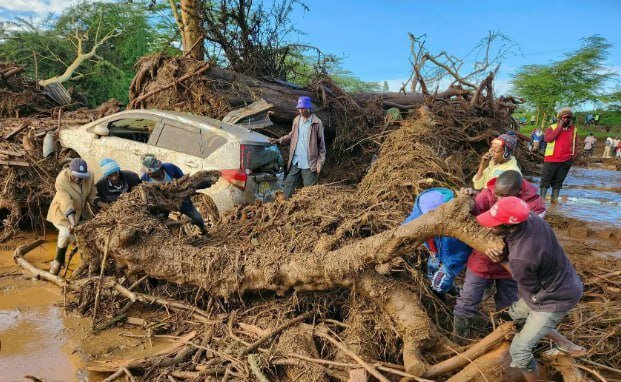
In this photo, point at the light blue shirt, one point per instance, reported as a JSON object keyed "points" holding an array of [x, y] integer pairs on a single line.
{"points": [[300, 156]]}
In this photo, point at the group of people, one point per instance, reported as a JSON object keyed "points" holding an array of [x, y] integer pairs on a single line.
{"points": [[78, 197], [612, 148], [534, 281]]}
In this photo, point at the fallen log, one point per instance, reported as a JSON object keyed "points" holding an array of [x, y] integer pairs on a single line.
{"points": [[135, 249]]}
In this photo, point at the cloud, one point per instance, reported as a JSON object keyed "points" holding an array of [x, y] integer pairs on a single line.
{"points": [[38, 7]]}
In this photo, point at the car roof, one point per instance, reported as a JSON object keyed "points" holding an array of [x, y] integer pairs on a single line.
{"points": [[234, 132]]}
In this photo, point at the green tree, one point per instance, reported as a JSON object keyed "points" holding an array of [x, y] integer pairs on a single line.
{"points": [[578, 78], [385, 88], [53, 44]]}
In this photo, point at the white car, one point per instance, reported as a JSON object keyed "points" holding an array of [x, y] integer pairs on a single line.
{"points": [[251, 167]]}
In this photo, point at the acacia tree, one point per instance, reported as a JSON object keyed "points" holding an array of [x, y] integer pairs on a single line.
{"points": [[578, 78]]}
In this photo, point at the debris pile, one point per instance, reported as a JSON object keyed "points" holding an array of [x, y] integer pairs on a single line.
{"points": [[19, 96]]}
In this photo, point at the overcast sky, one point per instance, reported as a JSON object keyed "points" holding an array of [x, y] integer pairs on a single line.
{"points": [[371, 35]]}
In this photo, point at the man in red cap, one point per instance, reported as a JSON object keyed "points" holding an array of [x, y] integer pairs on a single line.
{"points": [[482, 272], [548, 285], [307, 150]]}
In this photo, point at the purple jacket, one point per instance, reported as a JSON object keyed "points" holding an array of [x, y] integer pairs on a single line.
{"points": [[316, 143], [546, 279]]}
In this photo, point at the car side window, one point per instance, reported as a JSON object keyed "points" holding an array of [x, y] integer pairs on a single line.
{"points": [[134, 129], [211, 142], [184, 139]]}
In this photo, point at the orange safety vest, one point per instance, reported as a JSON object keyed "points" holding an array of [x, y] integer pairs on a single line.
{"points": [[550, 147]]}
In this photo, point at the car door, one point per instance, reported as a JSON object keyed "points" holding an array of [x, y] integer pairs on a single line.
{"points": [[180, 144], [128, 140]]}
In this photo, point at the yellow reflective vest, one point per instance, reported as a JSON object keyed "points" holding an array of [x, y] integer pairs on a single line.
{"points": [[550, 146]]}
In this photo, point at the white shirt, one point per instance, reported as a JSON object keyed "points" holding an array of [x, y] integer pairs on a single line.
{"points": [[300, 156]]}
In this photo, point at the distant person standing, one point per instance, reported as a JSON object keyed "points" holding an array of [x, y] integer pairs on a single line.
{"points": [[589, 145], [307, 150], [608, 148], [561, 139], [532, 119], [596, 119], [618, 146]]}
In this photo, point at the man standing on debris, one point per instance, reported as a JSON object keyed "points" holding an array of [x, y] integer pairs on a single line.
{"points": [[561, 149], [154, 171], [498, 159], [307, 150], [447, 254], [548, 285], [482, 272], [75, 195], [114, 182]]}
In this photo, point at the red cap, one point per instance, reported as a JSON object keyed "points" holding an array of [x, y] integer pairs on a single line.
{"points": [[508, 210]]}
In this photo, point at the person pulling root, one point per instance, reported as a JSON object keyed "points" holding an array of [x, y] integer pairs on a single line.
{"points": [[75, 194], [548, 285]]}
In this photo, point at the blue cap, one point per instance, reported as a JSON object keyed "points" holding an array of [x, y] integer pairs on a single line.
{"points": [[109, 166], [304, 102]]}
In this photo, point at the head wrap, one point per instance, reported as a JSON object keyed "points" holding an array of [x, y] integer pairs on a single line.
{"points": [[109, 166], [150, 163], [565, 111], [509, 143], [78, 168], [304, 102]]}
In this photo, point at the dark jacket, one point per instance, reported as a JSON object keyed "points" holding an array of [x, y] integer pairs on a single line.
{"points": [[478, 262], [546, 279], [316, 143], [109, 194], [172, 170], [452, 252]]}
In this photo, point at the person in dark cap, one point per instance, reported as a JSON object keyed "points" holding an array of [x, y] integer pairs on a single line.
{"points": [[114, 182], [498, 159], [154, 171], [307, 150], [75, 195], [548, 285], [561, 149]]}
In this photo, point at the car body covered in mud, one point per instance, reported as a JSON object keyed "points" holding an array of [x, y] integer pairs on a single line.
{"points": [[251, 167]]}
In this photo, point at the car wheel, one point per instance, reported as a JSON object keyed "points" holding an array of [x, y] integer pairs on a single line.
{"points": [[65, 157]]}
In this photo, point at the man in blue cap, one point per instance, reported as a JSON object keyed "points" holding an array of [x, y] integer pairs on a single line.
{"points": [[154, 171], [447, 254], [307, 150], [114, 181]]}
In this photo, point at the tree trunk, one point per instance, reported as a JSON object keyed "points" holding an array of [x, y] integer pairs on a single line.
{"points": [[192, 32], [149, 248]]}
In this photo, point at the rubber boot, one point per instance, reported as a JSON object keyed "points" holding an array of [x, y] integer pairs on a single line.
{"points": [[555, 192], [461, 329], [542, 193], [58, 261]]}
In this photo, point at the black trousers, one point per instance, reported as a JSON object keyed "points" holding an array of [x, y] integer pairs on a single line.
{"points": [[554, 174]]}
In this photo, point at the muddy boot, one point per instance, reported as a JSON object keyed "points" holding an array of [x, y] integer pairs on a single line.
{"points": [[555, 192], [542, 193], [461, 329], [58, 261]]}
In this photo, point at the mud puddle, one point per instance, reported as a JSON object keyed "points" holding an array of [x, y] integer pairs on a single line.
{"points": [[39, 337], [591, 195]]}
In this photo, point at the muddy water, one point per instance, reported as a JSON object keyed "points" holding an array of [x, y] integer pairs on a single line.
{"points": [[34, 327], [591, 195]]}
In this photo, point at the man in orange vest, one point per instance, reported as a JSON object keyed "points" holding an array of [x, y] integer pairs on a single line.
{"points": [[561, 149]]}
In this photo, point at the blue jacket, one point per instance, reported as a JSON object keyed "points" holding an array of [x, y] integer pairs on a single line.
{"points": [[452, 252], [172, 170]]}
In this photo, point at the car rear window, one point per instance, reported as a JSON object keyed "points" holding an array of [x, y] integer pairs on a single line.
{"points": [[258, 158]]}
